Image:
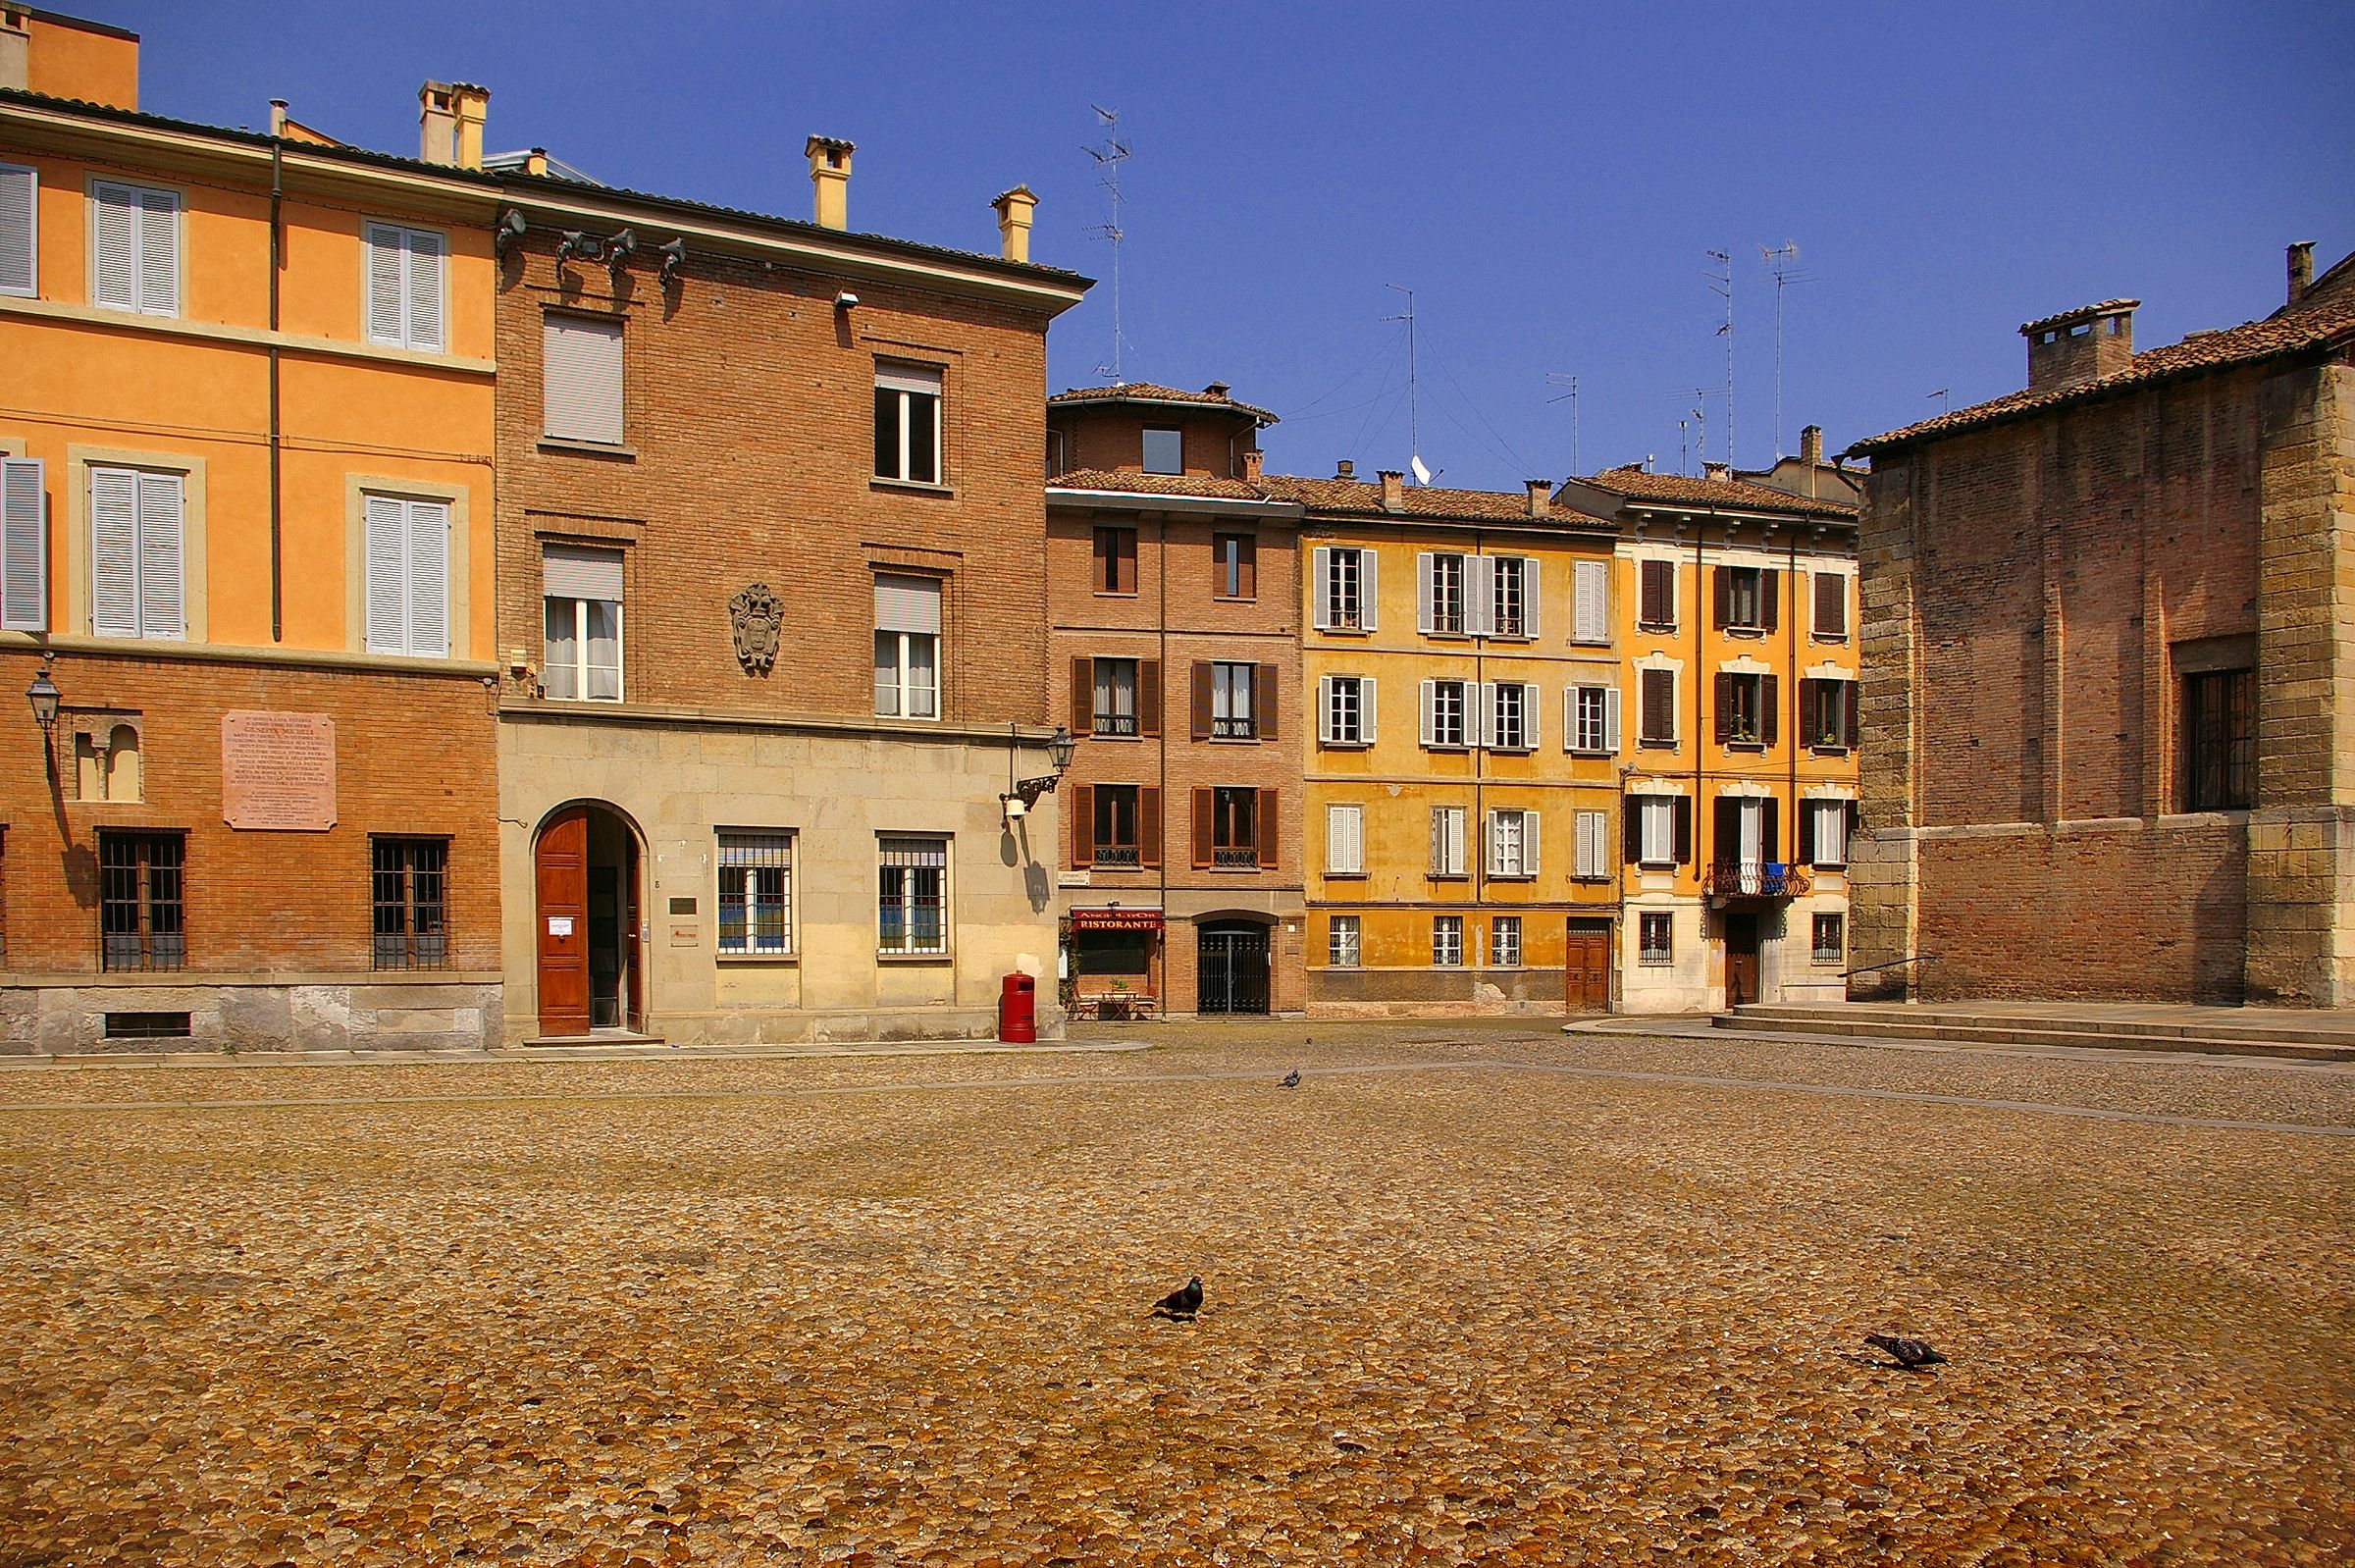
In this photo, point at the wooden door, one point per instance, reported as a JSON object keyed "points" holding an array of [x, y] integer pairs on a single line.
{"points": [[1587, 966], [1741, 958], [560, 874], [632, 950]]}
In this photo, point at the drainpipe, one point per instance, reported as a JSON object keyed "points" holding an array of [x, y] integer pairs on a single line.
{"points": [[1161, 754], [1476, 726], [277, 260]]}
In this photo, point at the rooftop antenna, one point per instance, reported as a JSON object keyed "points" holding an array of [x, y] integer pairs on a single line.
{"points": [[1414, 428], [1783, 262], [1109, 158], [1943, 402], [1681, 425], [1698, 419], [1570, 397], [1721, 281]]}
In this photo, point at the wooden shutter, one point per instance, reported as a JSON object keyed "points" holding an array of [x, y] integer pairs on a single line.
{"points": [[1631, 828], [162, 606], [1831, 604], [1084, 827], [1369, 586], [1263, 703], [1770, 830], [1771, 598], [388, 549], [1148, 697], [1084, 696], [1656, 593], [1366, 708], [1770, 708], [1102, 548], [1480, 594], [1320, 587], [24, 545], [384, 293], [1725, 830], [1659, 691], [1123, 560], [1531, 836], [582, 380], [1148, 827], [423, 287], [1325, 709], [1530, 724], [1202, 827], [1811, 719], [1725, 699], [114, 553], [115, 220], [1611, 719], [1246, 571], [1201, 685], [1430, 712], [1807, 833], [1481, 697], [1533, 594], [1849, 730], [1721, 579], [1425, 612], [1265, 827], [429, 578], [159, 253], [1591, 616], [19, 230], [1684, 830]]}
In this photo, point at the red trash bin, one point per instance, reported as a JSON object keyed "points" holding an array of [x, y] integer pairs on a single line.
{"points": [[1017, 1010]]}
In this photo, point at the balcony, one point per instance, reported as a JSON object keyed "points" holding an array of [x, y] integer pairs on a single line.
{"points": [[1113, 724], [1118, 858], [1755, 879], [1235, 858]]}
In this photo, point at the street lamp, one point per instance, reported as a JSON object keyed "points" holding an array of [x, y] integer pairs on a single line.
{"points": [[1025, 792], [43, 695]]}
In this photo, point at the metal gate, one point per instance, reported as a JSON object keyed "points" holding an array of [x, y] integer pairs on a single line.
{"points": [[1232, 975]]}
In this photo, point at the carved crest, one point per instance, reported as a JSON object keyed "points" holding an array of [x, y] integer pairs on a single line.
{"points": [[756, 615]]}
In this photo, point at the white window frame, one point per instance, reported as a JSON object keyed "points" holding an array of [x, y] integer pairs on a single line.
{"points": [[1342, 588], [1443, 593], [1346, 710], [420, 518], [1504, 942], [1831, 819], [1656, 830], [754, 840], [1591, 602], [30, 288], [899, 691], [1592, 834], [175, 625], [1448, 840], [144, 267], [1516, 700], [1447, 941], [902, 380], [1521, 573], [1344, 840], [1233, 700], [886, 845], [1343, 942], [1454, 702], [1512, 843], [414, 251], [1590, 720]]}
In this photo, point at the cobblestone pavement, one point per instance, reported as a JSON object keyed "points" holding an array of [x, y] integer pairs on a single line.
{"points": [[1477, 1292]]}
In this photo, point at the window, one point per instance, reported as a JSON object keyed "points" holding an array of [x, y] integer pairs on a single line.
{"points": [[106, 761], [1446, 841], [1116, 560], [1447, 714], [1512, 843], [1659, 819], [1827, 713], [146, 1027], [912, 900], [1117, 844], [19, 230], [1343, 588], [1512, 716], [141, 901], [907, 423], [1831, 938], [1113, 709], [1344, 841], [1504, 942], [907, 647], [408, 575], [409, 886], [136, 584], [23, 546], [1831, 607], [1591, 719], [756, 892], [1165, 451], [1657, 607], [1656, 936], [1745, 709], [1513, 600], [581, 596], [2220, 739], [1233, 711], [1441, 600], [1748, 838], [1235, 564], [1823, 832], [1447, 942], [1228, 824], [1341, 942], [1659, 708], [1346, 710], [405, 286], [581, 371], [135, 248], [1592, 835], [1591, 602], [1747, 598]]}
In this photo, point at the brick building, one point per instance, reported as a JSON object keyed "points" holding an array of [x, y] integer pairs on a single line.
{"points": [[2109, 695], [247, 456], [1172, 592], [771, 566]]}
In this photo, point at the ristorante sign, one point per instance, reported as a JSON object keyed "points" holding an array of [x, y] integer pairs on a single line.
{"points": [[1116, 919]]}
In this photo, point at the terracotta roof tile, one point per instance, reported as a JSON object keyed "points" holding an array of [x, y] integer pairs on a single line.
{"points": [[2292, 330], [1358, 499], [1145, 392], [1128, 481], [2058, 318], [1632, 483]]}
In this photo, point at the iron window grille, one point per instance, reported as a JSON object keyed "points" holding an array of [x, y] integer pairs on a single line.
{"points": [[143, 910], [1831, 938], [1505, 942], [2220, 739], [1234, 828], [1447, 942], [756, 893], [1341, 942], [912, 896], [409, 886], [1655, 938]]}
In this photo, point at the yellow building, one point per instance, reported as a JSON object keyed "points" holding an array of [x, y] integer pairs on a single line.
{"points": [[1460, 773]]}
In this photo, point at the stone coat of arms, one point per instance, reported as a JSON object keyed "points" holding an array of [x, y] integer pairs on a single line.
{"points": [[756, 615]]}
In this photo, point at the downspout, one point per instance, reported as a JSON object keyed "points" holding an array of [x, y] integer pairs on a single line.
{"points": [[1161, 752], [1479, 712], [277, 259], [1791, 740]]}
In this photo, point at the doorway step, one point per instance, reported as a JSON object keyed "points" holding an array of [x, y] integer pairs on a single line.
{"points": [[597, 1038]]}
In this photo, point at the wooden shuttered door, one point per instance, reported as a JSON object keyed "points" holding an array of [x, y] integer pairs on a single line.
{"points": [[19, 227], [1266, 829], [1148, 700], [23, 546], [1084, 696], [1658, 606], [1771, 829], [582, 380], [1659, 704], [1201, 700], [1263, 703], [1148, 827], [1204, 828], [1084, 827]]}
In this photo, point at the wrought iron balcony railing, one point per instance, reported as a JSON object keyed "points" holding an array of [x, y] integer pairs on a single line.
{"points": [[1755, 879]]}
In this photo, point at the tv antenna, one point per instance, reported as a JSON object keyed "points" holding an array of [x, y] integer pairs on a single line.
{"points": [[1721, 281], [1109, 157], [1783, 262], [1697, 419], [1414, 430], [1570, 397], [1944, 402]]}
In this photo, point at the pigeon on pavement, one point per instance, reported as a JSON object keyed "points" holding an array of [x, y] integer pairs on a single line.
{"points": [[1291, 1081], [1911, 1354], [1184, 1303]]}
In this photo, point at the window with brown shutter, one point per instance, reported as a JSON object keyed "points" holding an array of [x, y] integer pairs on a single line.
{"points": [[1658, 598], [1684, 830], [1116, 560], [1831, 606], [1659, 708], [1148, 827], [1204, 827], [1148, 697], [1770, 708], [1234, 566], [1728, 719], [1264, 830], [1084, 827], [1201, 697], [1771, 598], [1084, 696], [1263, 703], [1117, 813]]}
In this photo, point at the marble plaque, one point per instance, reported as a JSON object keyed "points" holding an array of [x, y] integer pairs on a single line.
{"points": [[277, 771]]}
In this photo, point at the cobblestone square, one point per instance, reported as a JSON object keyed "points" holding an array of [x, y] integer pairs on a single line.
{"points": [[1477, 1292]]}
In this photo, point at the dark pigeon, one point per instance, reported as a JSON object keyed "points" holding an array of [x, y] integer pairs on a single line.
{"points": [[1181, 1303], [1910, 1354], [1291, 1081]]}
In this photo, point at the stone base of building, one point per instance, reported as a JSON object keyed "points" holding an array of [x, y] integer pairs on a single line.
{"points": [[885, 1026], [78, 1015], [1367, 993]]}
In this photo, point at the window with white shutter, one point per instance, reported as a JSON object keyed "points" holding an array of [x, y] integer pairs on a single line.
{"points": [[1446, 841], [23, 546], [1593, 846], [405, 286], [137, 586], [408, 575], [1448, 721], [1344, 841], [1346, 710], [19, 230], [1591, 602], [580, 592], [907, 647], [1590, 720], [1830, 843], [1512, 843], [135, 248], [1658, 815], [582, 370]]}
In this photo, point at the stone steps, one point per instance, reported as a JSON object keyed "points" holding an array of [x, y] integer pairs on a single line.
{"points": [[2222, 1036]]}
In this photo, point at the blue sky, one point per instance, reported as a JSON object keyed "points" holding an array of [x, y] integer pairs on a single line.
{"points": [[1548, 179]]}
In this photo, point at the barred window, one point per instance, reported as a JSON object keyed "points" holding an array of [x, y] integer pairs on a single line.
{"points": [[1831, 938], [756, 892], [1656, 936], [1504, 942], [409, 885], [1447, 941], [1341, 942], [143, 909], [911, 899]]}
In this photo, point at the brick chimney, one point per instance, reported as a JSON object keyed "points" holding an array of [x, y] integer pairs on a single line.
{"points": [[1345, 469], [16, 52], [1709, 470], [829, 182], [2301, 269], [1811, 445], [1253, 461], [1014, 208], [1541, 492], [450, 120], [1393, 490], [2080, 345]]}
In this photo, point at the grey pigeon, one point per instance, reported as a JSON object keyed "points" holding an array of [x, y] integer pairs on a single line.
{"points": [[1181, 1303], [1910, 1354], [1291, 1081]]}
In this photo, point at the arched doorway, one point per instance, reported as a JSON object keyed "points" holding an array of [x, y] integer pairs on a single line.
{"points": [[585, 868], [1231, 974]]}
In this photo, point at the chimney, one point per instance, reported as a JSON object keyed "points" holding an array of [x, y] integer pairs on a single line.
{"points": [[1540, 491], [1345, 469], [2301, 269], [1253, 459], [450, 120], [277, 116], [15, 51], [535, 162], [1014, 208], [829, 180], [1709, 470], [1216, 389], [1393, 490], [2080, 345], [1811, 445]]}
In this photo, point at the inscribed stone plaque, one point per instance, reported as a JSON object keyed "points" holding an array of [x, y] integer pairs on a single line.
{"points": [[277, 771]]}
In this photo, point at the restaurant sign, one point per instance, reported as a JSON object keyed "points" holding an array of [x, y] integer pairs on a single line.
{"points": [[1116, 919]]}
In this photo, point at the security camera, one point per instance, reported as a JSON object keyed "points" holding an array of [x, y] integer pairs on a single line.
{"points": [[845, 300]]}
